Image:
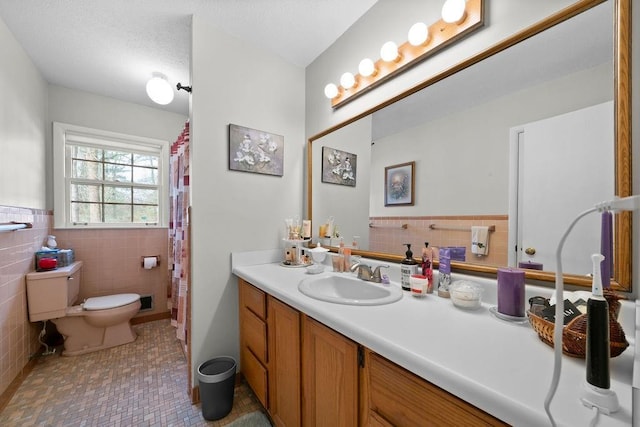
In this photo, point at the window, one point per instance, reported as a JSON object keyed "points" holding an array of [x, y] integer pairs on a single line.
{"points": [[108, 180]]}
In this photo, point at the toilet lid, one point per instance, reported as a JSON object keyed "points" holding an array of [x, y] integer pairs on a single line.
{"points": [[110, 301]]}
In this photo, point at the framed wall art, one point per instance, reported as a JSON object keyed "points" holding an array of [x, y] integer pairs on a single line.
{"points": [[339, 167], [399, 183], [257, 151]]}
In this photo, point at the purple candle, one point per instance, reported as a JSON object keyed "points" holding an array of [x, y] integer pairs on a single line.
{"points": [[606, 248], [511, 292], [530, 265]]}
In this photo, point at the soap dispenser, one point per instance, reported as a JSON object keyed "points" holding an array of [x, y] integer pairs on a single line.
{"points": [[408, 266]]}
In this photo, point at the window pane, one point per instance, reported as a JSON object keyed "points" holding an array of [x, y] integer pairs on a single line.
{"points": [[86, 170], [117, 213], [145, 196], [117, 173], [86, 212], [145, 214], [86, 193], [145, 160], [113, 194], [145, 176], [86, 153], [117, 157]]}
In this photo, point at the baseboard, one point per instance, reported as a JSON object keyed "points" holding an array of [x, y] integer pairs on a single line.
{"points": [[6, 395], [151, 317]]}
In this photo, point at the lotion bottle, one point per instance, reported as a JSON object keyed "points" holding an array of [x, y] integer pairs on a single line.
{"points": [[408, 266], [427, 266]]}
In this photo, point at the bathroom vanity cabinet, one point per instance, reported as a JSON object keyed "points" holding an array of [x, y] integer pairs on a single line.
{"points": [[285, 354], [270, 353]]}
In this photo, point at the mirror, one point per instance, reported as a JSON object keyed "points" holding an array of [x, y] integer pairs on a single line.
{"points": [[445, 121]]}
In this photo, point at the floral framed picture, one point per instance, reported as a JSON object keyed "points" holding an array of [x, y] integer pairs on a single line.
{"points": [[399, 184], [339, 167], [257, 151]]}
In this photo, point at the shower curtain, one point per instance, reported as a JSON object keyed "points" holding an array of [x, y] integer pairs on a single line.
{"points": [[179, 234]]}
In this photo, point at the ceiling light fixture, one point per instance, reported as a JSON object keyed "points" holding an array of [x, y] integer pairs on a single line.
{"points": [[453, 11], [459, 19], [347, 80], [418, 34], [159, 89], [331, 91], [389, 52], [367, 68]]}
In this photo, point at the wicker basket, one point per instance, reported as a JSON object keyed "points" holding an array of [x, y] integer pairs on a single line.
{"points": [[574, 334]]}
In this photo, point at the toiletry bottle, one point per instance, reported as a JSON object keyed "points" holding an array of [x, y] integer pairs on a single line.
{"points": [[408, 266], [341, 255], [444, 271], [427, 266]]}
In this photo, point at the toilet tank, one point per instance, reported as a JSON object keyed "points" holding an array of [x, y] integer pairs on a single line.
{"points": [[49, 293]]}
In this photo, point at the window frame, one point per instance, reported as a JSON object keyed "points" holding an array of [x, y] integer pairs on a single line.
{"points": [[66, 134]]}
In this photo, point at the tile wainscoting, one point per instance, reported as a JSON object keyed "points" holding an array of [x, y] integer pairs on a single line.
{"points": [[387, 235], [18, 337], [112, 264]]}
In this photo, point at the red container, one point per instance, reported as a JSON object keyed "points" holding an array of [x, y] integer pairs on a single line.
{"points": [[47, 263]]}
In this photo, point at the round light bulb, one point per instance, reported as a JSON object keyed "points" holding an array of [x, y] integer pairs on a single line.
{"points": [[453, 11], [331, 91], [418, 34], [389, 52], [159, 90], [347, 80], [366, 67]]}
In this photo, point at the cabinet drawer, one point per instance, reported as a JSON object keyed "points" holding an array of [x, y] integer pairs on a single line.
{"points": [[255, 374], [404, 399], [254, 332], [254, 299]]}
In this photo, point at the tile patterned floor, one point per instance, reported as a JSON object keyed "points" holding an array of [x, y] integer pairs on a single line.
{"points": [[139, 384]]}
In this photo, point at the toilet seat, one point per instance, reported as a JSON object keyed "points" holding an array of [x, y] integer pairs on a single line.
{"points": [[109, 301]]}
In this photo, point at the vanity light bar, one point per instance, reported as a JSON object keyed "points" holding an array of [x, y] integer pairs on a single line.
{"points": [[440, 35]]}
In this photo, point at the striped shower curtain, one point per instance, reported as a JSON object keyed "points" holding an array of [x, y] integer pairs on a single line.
{"points": [[179, 234]]}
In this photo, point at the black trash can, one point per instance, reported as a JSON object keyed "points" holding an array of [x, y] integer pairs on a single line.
{"points": [[217, 379]]}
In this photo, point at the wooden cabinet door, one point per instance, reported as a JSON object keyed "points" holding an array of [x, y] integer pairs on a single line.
{"points": [[329, 377], [284, 363]]}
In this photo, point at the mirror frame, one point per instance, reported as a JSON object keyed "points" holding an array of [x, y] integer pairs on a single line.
{"points": [[622, 271]]}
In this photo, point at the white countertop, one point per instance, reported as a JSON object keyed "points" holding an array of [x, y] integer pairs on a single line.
{"points": [[500, 367]]}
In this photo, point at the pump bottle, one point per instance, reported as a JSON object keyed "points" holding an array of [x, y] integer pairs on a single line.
{"points": [[408, 266]]}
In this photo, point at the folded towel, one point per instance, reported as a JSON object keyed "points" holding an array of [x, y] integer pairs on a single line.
{"points": [[480, 240]]}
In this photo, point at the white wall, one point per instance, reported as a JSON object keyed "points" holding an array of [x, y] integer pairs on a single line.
{"points": [[443, 148], [348, 205], [100, 112], [22, 127], [234, 82]]}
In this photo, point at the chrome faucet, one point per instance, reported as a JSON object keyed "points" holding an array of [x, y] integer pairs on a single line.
{"points": [[365, 273]]}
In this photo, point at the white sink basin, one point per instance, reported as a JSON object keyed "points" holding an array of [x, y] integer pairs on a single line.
{"points": [[341, 289]]}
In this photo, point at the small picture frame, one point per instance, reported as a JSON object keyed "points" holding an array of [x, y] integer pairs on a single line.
{"points": [[252, 150], [399, 184], [339, 167]]}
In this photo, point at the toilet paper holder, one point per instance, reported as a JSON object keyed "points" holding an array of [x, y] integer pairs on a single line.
{"points": [[157, 257]]}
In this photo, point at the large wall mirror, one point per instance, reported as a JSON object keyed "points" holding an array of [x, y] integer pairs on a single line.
{"points": [[547, 109]]}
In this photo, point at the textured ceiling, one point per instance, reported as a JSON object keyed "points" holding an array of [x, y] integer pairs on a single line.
{"points": [[111, 47]]}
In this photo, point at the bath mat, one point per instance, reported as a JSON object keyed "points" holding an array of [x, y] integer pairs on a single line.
{"points": [[253, 419]]}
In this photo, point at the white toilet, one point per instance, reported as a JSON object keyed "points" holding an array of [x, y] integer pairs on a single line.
{"points": [[96, 324]]}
